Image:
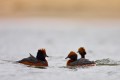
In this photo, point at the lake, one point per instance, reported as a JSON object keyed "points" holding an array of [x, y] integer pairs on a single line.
{"points": [[21, 36]]}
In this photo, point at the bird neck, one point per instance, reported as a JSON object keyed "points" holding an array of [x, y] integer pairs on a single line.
{"points": [[69, 62], [82, 56], [40, 56]]}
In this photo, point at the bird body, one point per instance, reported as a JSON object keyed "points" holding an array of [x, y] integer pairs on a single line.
{"points": [[38, 61], [79, 62], [82, 62]]}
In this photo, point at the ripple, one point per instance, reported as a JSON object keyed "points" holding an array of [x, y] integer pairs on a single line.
{"points": [[107, 62]]}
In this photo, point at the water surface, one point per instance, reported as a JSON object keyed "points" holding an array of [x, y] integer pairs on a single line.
{"points": [[19, 37]]}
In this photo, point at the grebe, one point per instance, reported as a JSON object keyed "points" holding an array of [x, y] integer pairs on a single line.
{"points": [[38, 61]]}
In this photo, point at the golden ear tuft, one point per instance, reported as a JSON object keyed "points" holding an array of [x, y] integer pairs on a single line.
{"points": [[81, 49], [72, 53], [43, 50]]}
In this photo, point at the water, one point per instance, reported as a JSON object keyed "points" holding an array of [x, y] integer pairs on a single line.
{"points": [[19, 37]]}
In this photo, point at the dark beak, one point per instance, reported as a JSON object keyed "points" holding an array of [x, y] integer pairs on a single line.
{"points": [[66, 57], [47, 56]]}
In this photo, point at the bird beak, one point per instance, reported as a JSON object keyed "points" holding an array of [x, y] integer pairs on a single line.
{"points": [[66, 57], [47, 56]]}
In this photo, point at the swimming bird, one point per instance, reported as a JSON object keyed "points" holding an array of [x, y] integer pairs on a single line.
{"points": [[37, 61], [78, 62], [82, 52], [73, 58]]}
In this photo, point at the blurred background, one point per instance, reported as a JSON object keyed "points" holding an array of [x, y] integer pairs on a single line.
{"points": [[60, 26], [61, 8]]}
